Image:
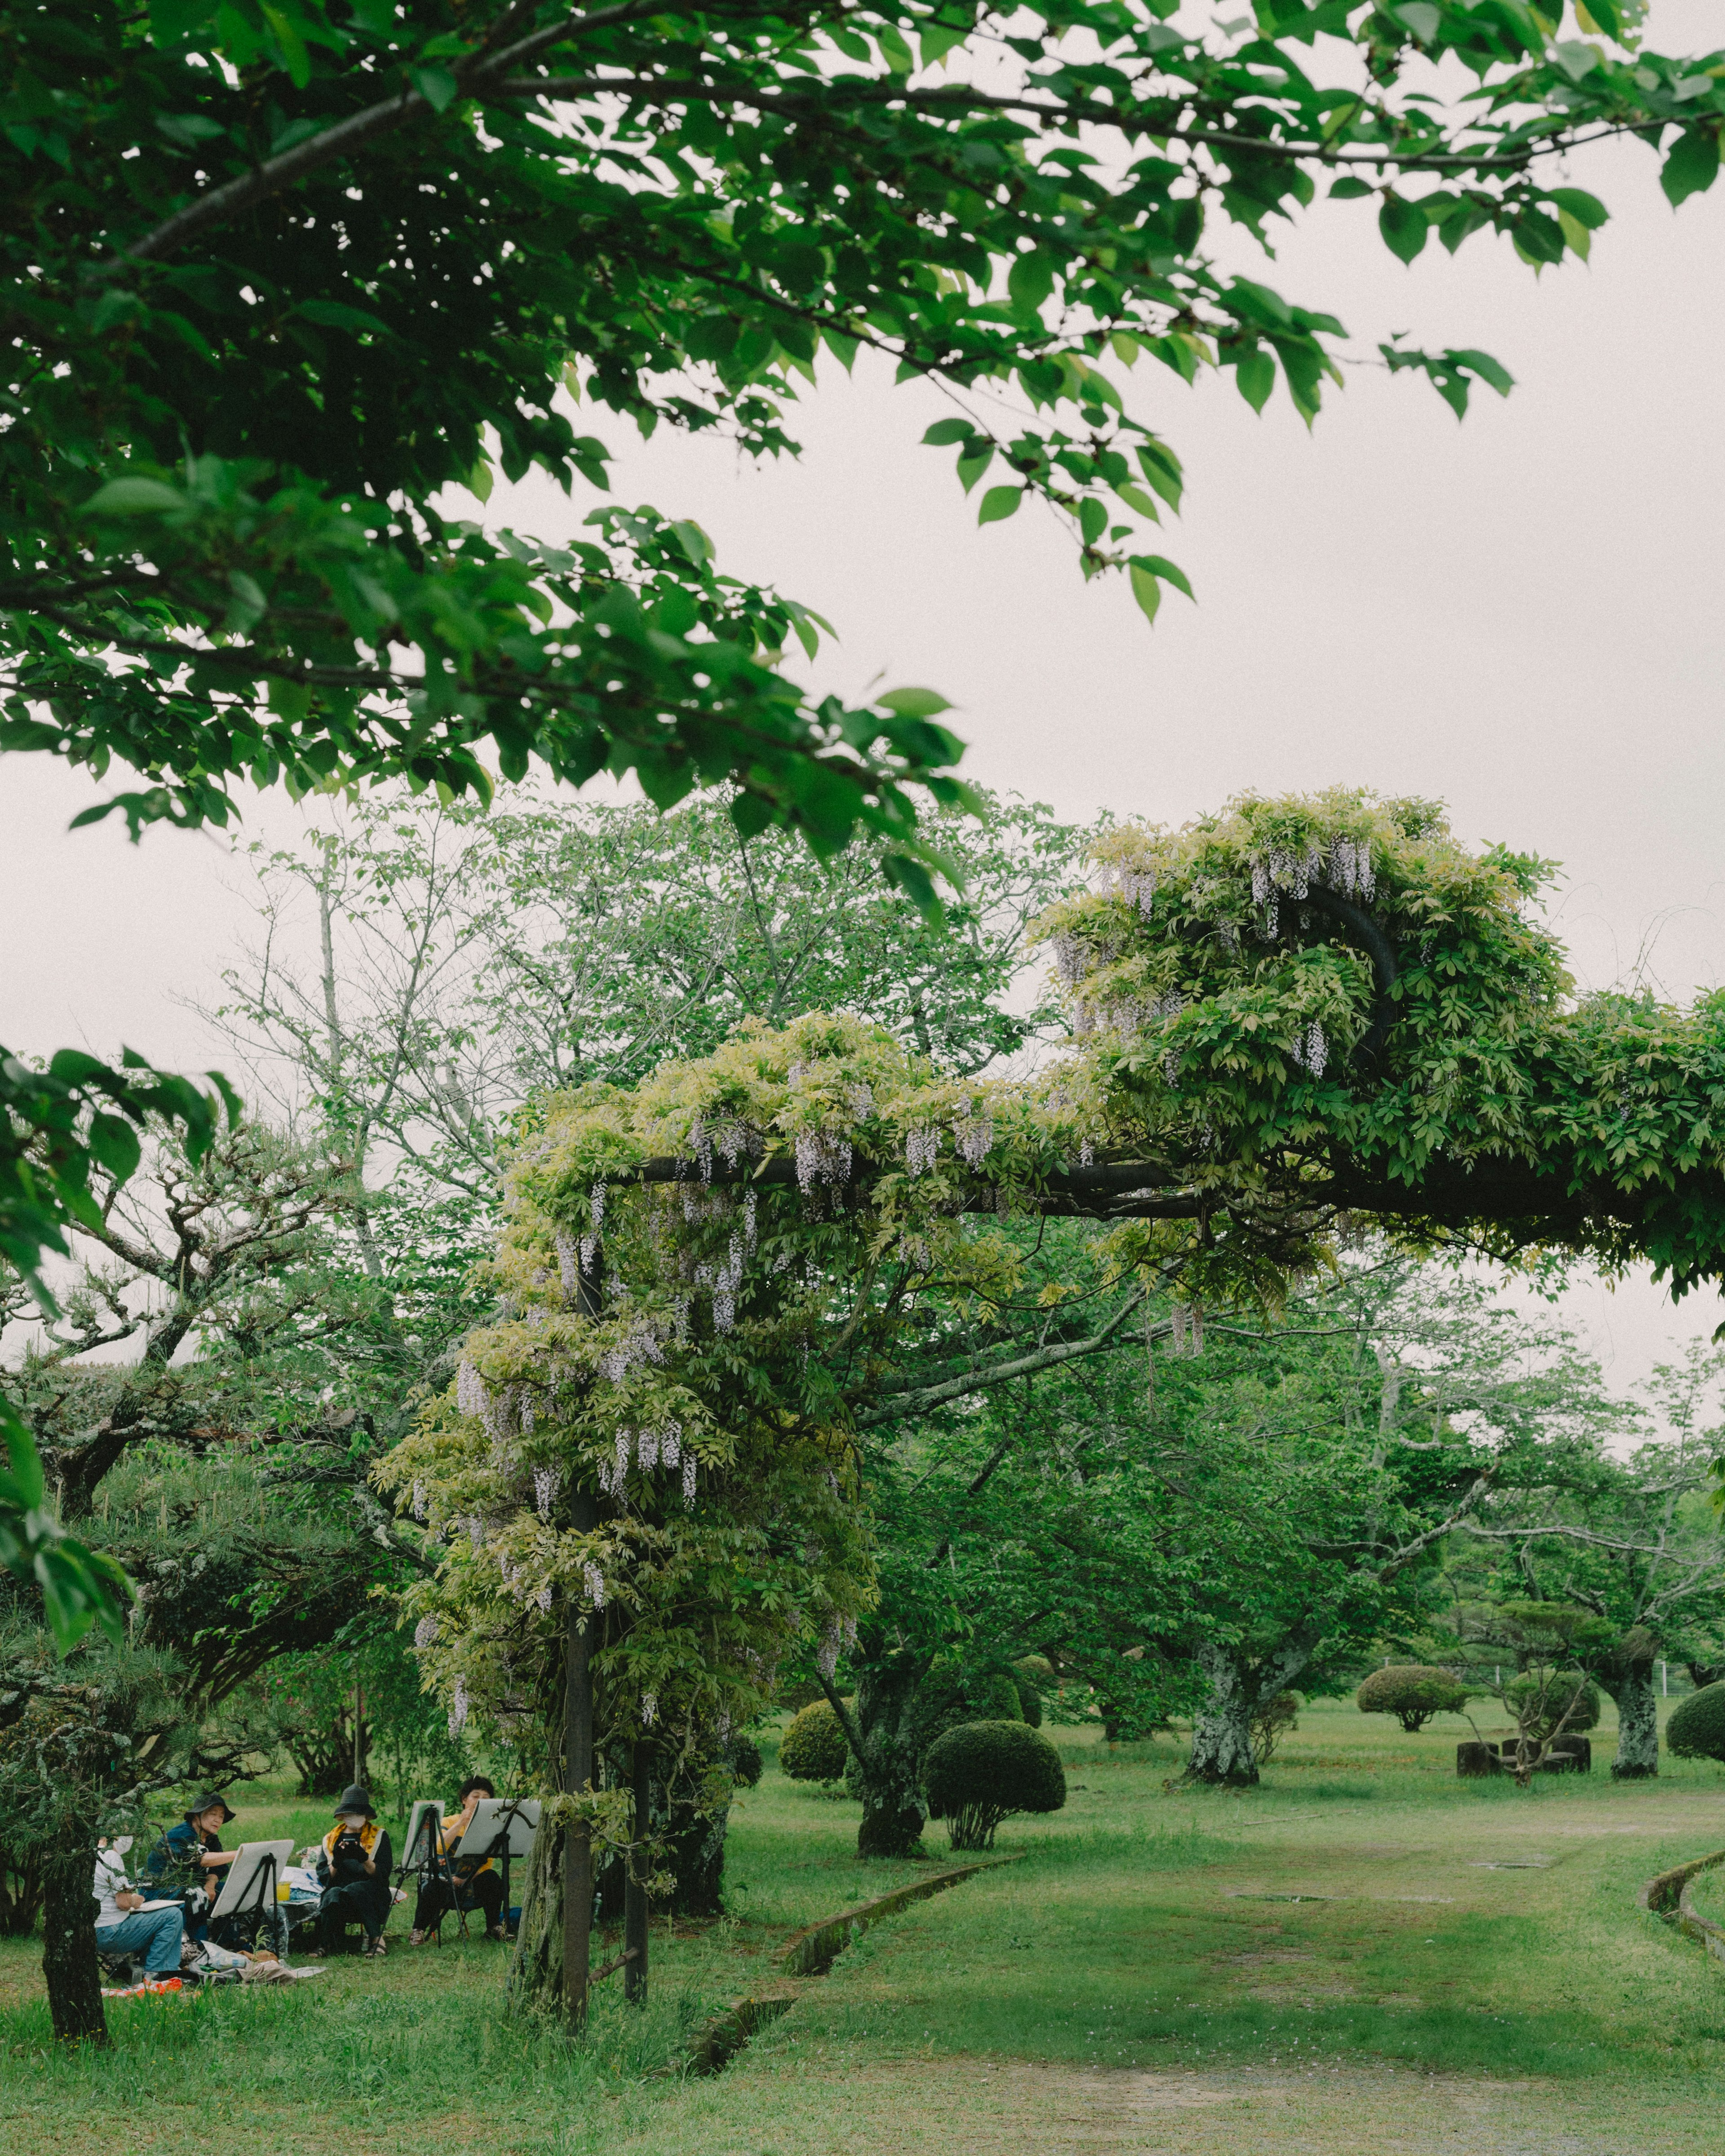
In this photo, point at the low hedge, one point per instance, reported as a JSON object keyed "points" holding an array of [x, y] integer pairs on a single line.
{"points": [[1696, 1728], [1412, 1692], [814, 1748], [983, 1771]]}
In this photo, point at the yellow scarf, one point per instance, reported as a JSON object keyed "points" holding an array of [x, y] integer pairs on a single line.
{"points": [[368, 1837]]}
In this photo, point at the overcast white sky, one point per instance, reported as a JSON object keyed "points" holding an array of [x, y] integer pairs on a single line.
{"points": [[1521, 615]]}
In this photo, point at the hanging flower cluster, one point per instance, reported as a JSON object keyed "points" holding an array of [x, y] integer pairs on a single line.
{"points": [[705, 1276]]}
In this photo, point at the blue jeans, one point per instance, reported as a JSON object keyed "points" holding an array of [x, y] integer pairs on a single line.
{"points": [[156, 1933]]}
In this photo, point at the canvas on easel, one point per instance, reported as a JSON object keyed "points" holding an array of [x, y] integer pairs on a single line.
{"points": [[249, 1889], [502, 1829], [423, 1848]]}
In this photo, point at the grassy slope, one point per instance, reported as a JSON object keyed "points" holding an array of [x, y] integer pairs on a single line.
{"points": [[1129, 1983]]}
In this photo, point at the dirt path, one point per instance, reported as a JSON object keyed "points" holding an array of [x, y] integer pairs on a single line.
{"points": [[972, 2107]]}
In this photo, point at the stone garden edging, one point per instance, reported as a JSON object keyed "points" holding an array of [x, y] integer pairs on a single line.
{"points": [[811, 1952], [1667, 1897]]}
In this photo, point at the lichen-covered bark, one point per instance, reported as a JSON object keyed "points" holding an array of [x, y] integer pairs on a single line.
{"points": [[536, 1975], [69, 1948], [1626, 1672], [1234, 1683], [1637, 1725], [1221, 1729]]}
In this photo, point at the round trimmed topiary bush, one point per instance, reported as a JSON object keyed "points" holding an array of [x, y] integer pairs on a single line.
{"points": [[1569, 1698], [813, 1749], [983, 1771], [1412, 1692], [1696, 1728], [747, 1764]]}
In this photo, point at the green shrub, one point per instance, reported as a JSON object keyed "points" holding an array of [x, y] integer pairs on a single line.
{"points": [[983, 1772], [1271, 1720], [1541, 1700], [747, 1764], [1412, 1692], [1696, 1728], [814, 1748]]}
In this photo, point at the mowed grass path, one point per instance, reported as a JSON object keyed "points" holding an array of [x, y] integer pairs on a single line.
{"points": [[1464, 1969]]}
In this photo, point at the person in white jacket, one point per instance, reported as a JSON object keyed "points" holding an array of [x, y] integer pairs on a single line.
{"points": [[124, 1925]]}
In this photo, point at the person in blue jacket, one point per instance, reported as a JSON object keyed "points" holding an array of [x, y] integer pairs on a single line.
{"points": [[189, 1860]]}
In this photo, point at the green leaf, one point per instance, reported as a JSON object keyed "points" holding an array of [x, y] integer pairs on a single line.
{"points": [[481, 479], [944, 431], [436, 86], [1350, 190], [189, 129], [998, 502], [336, 314], [1693, 164], [114, 1143], [1145, 590], [1489, 369], [1404, 227], [1092, 520], [173, 21], [1580, 240], [1255, 373], [133, 497], [1134, 497], [915, 703], [1585, 208], [971, 468], [1157, 565], [1030, 281]]}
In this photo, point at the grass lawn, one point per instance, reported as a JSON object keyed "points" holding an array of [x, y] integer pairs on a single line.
{"points": [[1364, 1954]]}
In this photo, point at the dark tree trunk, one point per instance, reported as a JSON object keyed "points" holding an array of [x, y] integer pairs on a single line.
{"points": [[1627, 1674], [636, 1926], [1702, 1674], [69, 1948], [889, 1768], [577, 1846], [20, 1893], [324, 1757], [1235, 1684], [694, 1848], [536, 1976]]}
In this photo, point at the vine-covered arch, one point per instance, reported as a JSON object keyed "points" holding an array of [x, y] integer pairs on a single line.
{"points": [[1285, 1016]]}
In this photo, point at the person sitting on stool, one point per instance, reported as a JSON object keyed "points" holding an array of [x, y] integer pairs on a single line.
{"points": [[124, 1925], [353, 1869], [478, 1886], [190, 1862]]}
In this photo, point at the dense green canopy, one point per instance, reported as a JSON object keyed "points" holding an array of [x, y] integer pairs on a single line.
{"points": [[276, 276]]}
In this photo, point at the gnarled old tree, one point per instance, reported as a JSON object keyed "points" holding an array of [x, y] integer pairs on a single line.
{"points": [[1635, 1543], [1288, 1015], [207, 1398]]}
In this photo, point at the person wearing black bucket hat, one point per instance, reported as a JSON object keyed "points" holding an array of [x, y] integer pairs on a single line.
{"points": [[353, 1866], [189, 1860]]}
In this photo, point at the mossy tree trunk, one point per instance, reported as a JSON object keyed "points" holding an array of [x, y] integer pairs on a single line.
{"points": [[884, 1733], [69, 1948], [1235, 1682], [1637, 1722], [536, 1976]]}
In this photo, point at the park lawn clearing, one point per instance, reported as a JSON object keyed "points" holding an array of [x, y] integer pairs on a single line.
{"points": [[1365, 1954]]}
